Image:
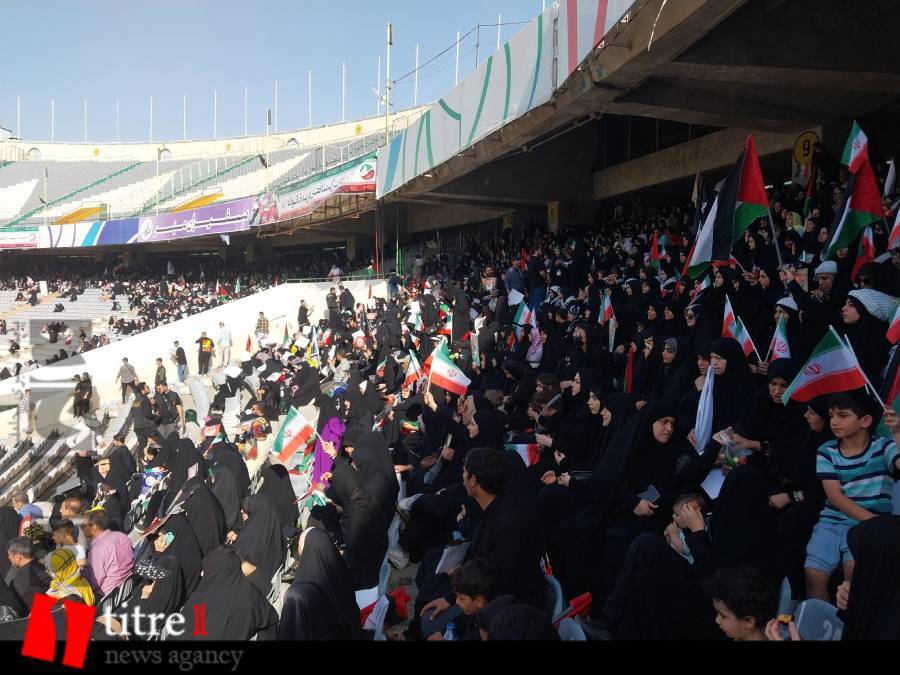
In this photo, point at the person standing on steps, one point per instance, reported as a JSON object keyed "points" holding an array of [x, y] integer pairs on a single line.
{"points": [[127, 376], [205, 354], [224, 344], [180, 359]]}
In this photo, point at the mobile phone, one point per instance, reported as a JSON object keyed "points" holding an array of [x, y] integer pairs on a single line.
{"points": [[651, 494]]}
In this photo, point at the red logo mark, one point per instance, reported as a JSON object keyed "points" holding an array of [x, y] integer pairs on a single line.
{"points": [[813, 369], [199, 620], [40, 636]]}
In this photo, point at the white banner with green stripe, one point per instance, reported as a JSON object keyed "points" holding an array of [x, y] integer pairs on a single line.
{"points": [[511, 82]]}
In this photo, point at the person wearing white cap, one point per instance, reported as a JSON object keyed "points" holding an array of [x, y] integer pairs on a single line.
{"points": [[866, 315]]}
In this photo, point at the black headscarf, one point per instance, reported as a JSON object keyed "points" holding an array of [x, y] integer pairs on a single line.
{"points": [[167, 595], [320, 604], [327, 411], [261, 542], [184, 548], [205, 514], [621, 407], [276, 487], [224, 489], [873, 612], [733, 388], [236, 610], [373, 460], [227, 455]]}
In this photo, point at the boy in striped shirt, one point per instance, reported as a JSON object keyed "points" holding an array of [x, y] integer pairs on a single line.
{"points": [[856, 470]]}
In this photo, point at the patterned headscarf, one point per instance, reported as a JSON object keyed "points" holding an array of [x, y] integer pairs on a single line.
{"points": [[65, 577]]}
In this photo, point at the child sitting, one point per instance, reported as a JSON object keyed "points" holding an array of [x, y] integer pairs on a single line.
{"points": [[856, 473], [474, 585], [744, 603], [675, 531], [64, 537]]}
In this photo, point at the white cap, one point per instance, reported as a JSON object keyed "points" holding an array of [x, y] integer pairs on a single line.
{"points": [[827, 267]]}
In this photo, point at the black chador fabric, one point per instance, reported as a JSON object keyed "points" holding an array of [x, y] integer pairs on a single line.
{"points": [[9, 529], [260, 541], [205, 514], [873, 612], [184, 548], [227, 455], [276, 487], [236, 610], [733, 388], [363, 526], [166, 597], [320, 604], [185, 459], [224, 489], [373, 460]]}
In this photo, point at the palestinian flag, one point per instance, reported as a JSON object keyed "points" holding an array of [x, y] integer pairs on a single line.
{"points": [[856, 152], [414, 371], [866, 252], [530, 452], [445, 311], [733, 327], [780, 349], [832, 368], [606, 309], [379, 371], [296, 433], [741, 200], [446, 374], [862, 207], [893, 334], [655, 257], [286, 340]]}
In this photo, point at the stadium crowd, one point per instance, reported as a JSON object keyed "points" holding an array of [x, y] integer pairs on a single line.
{"points": [[531, 421]]}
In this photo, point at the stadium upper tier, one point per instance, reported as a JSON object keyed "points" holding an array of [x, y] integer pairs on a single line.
{"points": [[61, 183]]}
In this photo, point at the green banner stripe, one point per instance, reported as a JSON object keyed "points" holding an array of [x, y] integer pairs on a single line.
{"points": [[419, 144], [508, 80], [428, 138], [537, 64], [484, 91]]}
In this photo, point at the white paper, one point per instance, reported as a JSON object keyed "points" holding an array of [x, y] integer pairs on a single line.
{"points": [[367, 597], [414, 307], [473, 314], [712, 485], [306, 330], [302, 343], [274, 377], [452, 557], [514, 298]]}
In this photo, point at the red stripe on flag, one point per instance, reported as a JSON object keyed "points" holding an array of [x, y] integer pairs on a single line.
{"points": [[599, 28], [448, 384], [840, 380], [572, 11]]}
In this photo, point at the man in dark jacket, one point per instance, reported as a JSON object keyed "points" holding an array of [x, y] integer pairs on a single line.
{"points": [[26, 576], [144, 417], [347, 300]]}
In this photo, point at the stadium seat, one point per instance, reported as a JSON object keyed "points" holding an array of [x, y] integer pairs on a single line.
{"points": [[818, 621], [556, 601]]}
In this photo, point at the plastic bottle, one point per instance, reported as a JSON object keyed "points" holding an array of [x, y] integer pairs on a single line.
{"points": [[450, 633]]}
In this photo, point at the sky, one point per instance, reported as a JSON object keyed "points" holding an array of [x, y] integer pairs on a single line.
{"points": [[102, 50]]}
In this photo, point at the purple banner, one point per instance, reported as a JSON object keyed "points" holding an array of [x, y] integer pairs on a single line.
{"points": [[234, 216]]}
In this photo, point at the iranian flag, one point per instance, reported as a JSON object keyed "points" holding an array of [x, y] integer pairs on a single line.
{"points": [[862, 207], [414, 371], [446, 374], [296, 433], [530, 452], [893, 334], [780, 349], [606, 309], [866, 252], [894, 240], [741, 200], [448, 327], [523, 318], [832, 368], [629, 371], [856, 152], [707, 282], [811, 188], [733, 327], [379, 371]]}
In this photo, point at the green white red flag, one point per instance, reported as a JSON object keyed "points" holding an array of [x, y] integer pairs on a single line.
{"points": [[780, 349], [733, 327], [296, 433], [893, 334], [856, 152], [530, 452], [832, 368], [445, 373]]}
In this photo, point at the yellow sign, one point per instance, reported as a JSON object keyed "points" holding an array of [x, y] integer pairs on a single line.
{"points": [[553, 216], [508, 221], [803, 148], [358, 129]]}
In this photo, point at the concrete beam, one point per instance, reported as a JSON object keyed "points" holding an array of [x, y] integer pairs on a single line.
{"points": [[710, 152], [798, 78]]}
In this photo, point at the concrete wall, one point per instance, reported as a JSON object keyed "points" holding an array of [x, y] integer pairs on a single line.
{"points": [[52, 385], [146, 152], [717, 150]]}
